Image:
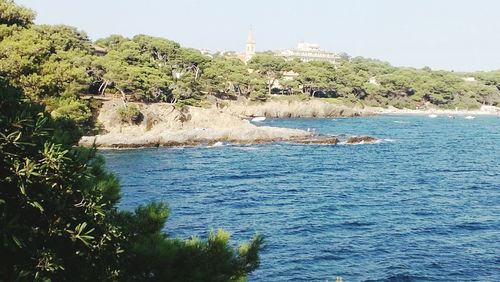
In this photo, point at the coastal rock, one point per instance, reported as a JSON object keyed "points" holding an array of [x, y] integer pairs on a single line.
{"points": [[318, 141], [163, 125], [361, 140], [170, 126], [294, 109]]}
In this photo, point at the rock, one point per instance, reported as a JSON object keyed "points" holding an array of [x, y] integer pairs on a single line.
{"points": [[361, 139], [318, 141], [163, 127], [293, 109]]}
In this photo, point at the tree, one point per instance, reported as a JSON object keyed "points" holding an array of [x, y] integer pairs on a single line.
{"points": [[227, 78], [130, 69], [50, 64], [271, 67], [47, 61], [13, 18], [149, 69], [317, 77], [54, 201], [156, 257], [12, 14]]}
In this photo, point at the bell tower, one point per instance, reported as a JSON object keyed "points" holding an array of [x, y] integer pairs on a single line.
{"points": [[250, 47]]}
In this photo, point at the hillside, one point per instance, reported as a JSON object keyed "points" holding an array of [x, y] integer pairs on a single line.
{"points": [[58, 65]]}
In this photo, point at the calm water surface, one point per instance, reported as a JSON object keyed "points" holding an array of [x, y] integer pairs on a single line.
{"points": [[423, 205]]}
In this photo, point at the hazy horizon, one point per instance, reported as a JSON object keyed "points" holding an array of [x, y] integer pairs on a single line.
{"points": [[450, 35]]}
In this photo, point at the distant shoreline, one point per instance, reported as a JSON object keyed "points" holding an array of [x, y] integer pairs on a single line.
{"points": [[317, 108], [483, 111]]}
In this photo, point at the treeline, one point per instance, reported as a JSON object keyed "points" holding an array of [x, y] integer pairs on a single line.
{"points": [[59, 219]]}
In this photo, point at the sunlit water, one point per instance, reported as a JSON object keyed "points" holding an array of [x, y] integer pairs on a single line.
{"points": [[423, 205]]}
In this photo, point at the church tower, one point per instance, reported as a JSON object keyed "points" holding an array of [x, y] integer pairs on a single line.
{"points": [[250, 47]]}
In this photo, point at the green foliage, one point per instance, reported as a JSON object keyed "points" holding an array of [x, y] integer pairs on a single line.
{"points": [[270, 66], [13, 18], [12, 14], [156, 257], [129, 113], [316, 78], [50, 64], [226, 78], [52, 213], [150, 69], [258, 96], [46, 60], [75, 110], [58, 215]]}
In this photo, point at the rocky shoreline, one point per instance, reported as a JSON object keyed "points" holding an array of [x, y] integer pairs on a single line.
{"points": [[164, 125], [483, 111], [195, 137], [313, 108]]}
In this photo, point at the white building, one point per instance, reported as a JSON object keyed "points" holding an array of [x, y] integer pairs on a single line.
{"points": [[290, 75], [309, 52], [207, 53]]}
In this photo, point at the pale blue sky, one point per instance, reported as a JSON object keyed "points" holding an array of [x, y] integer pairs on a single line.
{"points": [[443, 34]]}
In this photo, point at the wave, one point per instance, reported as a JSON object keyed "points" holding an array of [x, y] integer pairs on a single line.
{"points": [[247, 148]]}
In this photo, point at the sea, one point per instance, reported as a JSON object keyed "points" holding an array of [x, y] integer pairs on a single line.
{"points": [[423, 204]]}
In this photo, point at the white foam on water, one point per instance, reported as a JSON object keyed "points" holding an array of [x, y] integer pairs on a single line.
{"points": [[217, 144], [247, 148]]}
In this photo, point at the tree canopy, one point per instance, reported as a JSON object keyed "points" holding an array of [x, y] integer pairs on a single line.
{"points": [[57, 64]]}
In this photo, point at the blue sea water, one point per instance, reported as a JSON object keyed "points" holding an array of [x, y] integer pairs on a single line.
{"points": [[422, 205]]}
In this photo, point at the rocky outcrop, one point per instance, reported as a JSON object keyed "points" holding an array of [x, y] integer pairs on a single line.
{"points": [[166, 125], [361, 140], [294, 109], [318, 141], [191, 137]]}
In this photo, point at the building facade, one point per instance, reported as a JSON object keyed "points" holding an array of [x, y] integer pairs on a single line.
{"points": [[307, 52]]}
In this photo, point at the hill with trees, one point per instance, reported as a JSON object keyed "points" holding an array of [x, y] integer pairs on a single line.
{"points": [[57, 65]]}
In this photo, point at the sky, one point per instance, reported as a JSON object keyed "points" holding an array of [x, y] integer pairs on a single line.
{"points": [[454, 35]]}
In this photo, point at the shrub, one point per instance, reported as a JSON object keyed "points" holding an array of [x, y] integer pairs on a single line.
{"points": [[130, 114]]}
